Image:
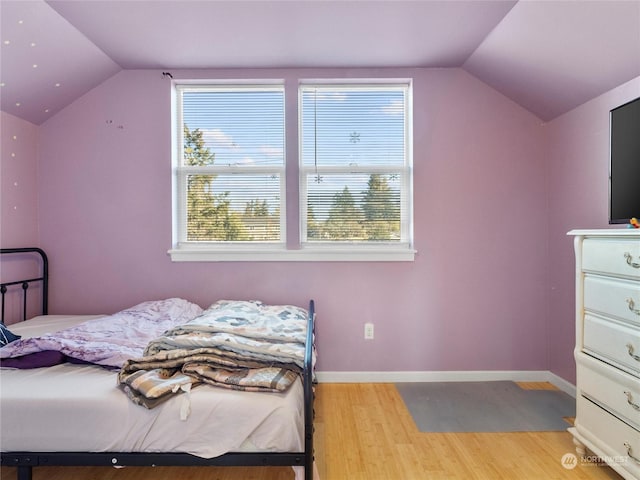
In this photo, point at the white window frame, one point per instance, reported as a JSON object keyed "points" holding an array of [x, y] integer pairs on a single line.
{"points": [[383, 250], [287, 249], [195, 250]]}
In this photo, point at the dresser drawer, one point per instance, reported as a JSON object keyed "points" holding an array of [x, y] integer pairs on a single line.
{"points": [[609, 256], [613, 342], [621, 443], [614, 390], [612, 297]]}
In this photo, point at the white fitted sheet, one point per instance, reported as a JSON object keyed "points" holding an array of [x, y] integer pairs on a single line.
{"points": [[80, 408]]}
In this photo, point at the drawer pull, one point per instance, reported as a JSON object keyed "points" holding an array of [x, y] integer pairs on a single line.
{"points": [[630, 261], [630, 401], [632, 306], [628, 447], [630, 349]]}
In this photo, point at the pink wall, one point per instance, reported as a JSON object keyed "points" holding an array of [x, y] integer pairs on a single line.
{"points": [[19, 211], [495, 194], [18, 182], [472, 300], [578, 153]]}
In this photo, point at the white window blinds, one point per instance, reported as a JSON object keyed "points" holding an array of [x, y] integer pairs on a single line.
{"points": [[230, 171], [355, 164]]}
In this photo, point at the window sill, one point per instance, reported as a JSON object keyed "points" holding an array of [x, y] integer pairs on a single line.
{"points": [[301, 255]]}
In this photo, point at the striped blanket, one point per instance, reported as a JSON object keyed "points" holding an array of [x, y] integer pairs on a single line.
{"points": [[233, 344]]}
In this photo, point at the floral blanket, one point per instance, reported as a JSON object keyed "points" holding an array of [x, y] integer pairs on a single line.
{"points": [[233, 344], [108, 341]]}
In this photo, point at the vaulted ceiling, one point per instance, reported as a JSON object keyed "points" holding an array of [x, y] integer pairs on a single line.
{"points": [[547, 55]]}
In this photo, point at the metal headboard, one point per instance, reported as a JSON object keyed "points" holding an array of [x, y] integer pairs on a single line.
{"points": [[26, 282]]}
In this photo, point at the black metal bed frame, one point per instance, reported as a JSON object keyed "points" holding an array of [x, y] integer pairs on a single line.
{"points": [[25, 461], [26, 282]]}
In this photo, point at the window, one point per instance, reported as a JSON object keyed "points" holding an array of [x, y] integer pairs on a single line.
{"points": [[355, 165], [353, 168], [230, 172]]}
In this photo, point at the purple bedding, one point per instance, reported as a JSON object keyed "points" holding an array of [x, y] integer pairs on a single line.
{"points": [[108, 341]]}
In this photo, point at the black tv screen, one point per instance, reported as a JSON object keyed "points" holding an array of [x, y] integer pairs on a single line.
{"points": [[624, 172]]}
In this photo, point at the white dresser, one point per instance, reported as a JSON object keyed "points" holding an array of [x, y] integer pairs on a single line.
{"points": [[607, 352]]}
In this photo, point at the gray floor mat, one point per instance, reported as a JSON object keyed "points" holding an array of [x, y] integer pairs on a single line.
{"points": [[485, 407]]}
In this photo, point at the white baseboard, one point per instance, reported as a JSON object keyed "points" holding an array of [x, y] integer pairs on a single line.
{"points": [[448, 376], [562, 384]]}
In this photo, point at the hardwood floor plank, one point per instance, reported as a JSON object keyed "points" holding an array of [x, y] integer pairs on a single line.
{"points": [[536, 386], [364, 432]]}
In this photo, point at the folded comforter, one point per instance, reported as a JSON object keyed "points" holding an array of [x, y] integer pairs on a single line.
{"points": [[233, 344]]}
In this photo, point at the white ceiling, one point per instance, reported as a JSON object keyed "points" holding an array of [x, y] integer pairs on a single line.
{"points": [[548, 55]]}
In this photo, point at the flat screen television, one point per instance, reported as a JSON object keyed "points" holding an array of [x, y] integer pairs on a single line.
{"points": [[624, 168]]}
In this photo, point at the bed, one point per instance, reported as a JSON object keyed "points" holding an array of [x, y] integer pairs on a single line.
{"points": [[74, 414]]}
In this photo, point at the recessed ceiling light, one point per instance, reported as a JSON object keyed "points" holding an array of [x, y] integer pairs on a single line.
{"points": [[57, 84], [20, 22], [15, 137], [7, 42], [35, 65], [33, 44], [17, 104], [46, 110], [2, 84]]}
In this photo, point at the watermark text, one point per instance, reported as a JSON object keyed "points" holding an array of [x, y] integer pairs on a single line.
{"points": [[571, 460]]}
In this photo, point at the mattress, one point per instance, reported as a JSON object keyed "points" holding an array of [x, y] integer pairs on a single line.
{"points": [[77, 408]]}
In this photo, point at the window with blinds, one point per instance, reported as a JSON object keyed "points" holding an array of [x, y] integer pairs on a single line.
{"points": [[230, 169], [352, 170], [355, 165]]}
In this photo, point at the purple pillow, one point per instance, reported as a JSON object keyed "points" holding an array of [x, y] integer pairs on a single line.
{"points": [[46, 358]]}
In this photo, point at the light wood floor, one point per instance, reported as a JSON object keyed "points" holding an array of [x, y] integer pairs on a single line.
{"points": [[364, 432]]}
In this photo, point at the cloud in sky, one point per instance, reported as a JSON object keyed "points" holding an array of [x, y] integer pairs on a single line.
{"points": [[217, 138], [395, 107], [271, 151]]}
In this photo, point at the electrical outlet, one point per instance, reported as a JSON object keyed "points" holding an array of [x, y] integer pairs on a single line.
{"points": [[368, 331]]}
